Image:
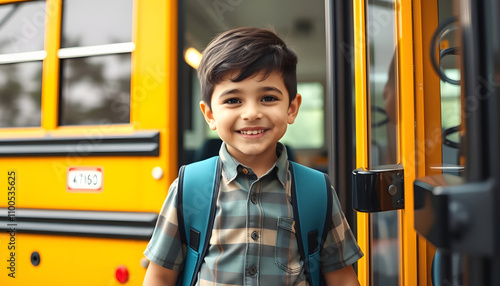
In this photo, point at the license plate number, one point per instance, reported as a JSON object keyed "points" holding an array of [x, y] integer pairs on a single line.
{"points": [[85, 179]]}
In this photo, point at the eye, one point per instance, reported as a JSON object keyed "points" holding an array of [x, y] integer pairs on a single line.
{"points": [[269, 98], [232, 101]]}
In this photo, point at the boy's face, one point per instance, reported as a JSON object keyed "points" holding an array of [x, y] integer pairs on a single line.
{"points": [[250, 116]]}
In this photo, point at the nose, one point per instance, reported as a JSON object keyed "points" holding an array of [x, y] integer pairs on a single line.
{"points": [[251, 112]]}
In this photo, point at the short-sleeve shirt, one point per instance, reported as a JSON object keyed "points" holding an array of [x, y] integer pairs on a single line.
{"points": [[253, 238]]}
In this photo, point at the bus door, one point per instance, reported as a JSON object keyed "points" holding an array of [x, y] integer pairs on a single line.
{"points": [[456, 208], [430, 69], [386, 63]]}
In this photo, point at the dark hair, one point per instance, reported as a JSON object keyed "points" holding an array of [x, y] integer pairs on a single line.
{"points": [[249, 51]]}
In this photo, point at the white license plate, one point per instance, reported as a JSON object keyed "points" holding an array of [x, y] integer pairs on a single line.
{"points": [[84, 179]]}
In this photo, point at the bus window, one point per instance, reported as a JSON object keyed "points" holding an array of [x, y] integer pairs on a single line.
{"points": [[22, 28], [95, 56], [21, 54], [83, 25], [308, 130]]}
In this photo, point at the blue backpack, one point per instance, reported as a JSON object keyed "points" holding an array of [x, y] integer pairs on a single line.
{"points": [[198, 188]]}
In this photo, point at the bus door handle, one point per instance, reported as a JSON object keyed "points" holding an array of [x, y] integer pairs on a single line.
{"points": [[454, 215], [378, 189]]}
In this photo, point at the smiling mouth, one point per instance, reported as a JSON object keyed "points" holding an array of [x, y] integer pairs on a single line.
{"points": [[251, 132]]}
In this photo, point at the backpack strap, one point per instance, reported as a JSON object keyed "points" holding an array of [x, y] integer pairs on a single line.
{"points": [[198, 188], [311, 218]]}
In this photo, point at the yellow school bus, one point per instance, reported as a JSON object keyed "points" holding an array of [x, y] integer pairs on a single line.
{"points": [[88, 137], [98, 109]]}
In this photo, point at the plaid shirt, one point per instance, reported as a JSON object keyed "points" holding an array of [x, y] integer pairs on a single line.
{"points": [[253, 239]]}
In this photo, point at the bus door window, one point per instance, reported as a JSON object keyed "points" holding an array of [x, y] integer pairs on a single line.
{"points": [[450, 93], [446, 265], [382, 138]]}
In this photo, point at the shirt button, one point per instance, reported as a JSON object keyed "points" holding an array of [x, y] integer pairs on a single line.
{"points": [[245, 171], [252, 270], [255, 235], [254, 199]]}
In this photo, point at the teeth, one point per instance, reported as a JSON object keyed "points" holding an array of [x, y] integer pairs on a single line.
{"points": [[253, 132]]}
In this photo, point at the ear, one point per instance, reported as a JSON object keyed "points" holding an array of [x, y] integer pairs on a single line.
{"points": [[293, 109], [208, 114]]}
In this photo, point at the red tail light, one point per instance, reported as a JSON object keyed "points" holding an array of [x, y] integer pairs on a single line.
{"points": [[121, 274]]}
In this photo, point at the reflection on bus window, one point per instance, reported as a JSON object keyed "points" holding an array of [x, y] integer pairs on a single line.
{"points": [[22, 28], [96, 22], [95, 90], [96, 77], [20, 94], [383, 94]]}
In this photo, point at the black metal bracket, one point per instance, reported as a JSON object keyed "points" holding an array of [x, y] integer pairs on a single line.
{"points": [[378, 189], [138, 143], [107, 224], [451, 214]]}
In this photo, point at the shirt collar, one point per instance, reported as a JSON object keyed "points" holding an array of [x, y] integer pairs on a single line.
{"points": [[230, 165]]}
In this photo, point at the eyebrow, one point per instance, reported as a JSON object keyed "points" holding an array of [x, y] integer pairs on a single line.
{"points": [[270, 88], [261, 89]]}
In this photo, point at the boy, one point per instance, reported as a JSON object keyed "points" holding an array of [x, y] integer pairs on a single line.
{"points": [[249, 95]]}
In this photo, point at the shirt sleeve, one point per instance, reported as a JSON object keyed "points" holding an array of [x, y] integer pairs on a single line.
{"points": [[340, 248], [165, 247]]}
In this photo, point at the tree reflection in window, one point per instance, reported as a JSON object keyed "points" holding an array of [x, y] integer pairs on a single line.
{"points": [[95, 90], [20, 94], [22, 28]]}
